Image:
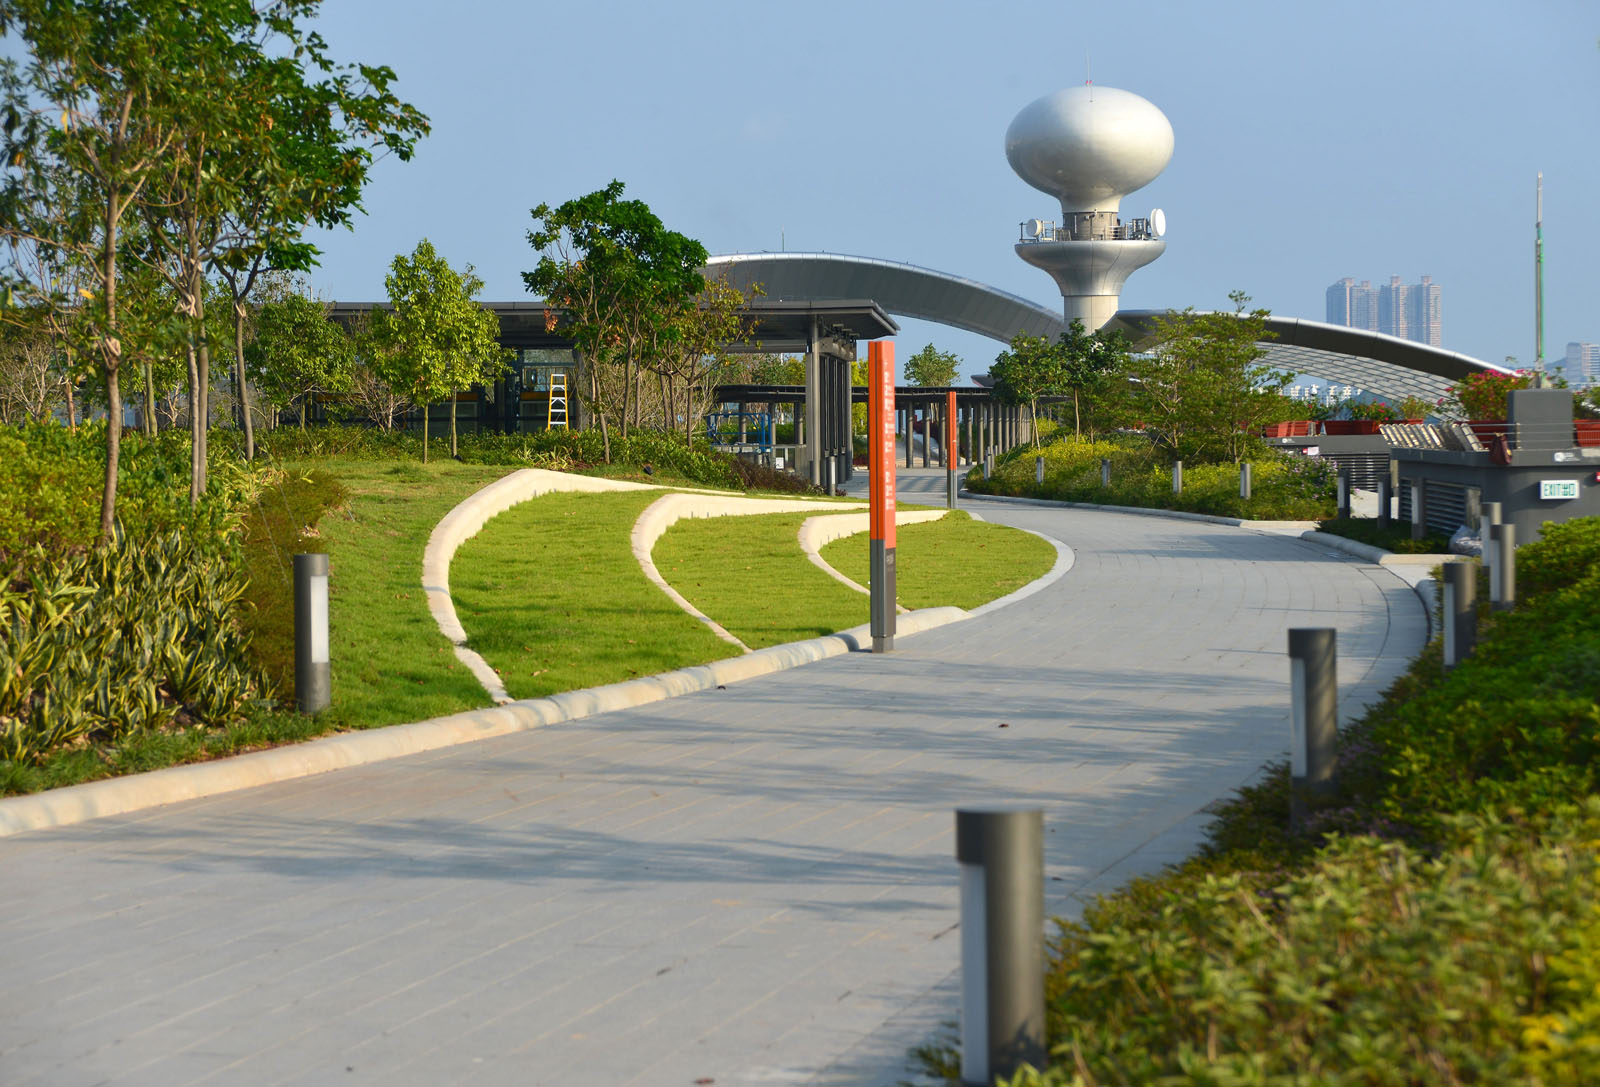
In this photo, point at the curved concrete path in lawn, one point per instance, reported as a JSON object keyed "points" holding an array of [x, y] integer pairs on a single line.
{"points": [[750, 885]]}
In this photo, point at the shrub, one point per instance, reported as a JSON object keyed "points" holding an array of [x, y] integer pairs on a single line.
{"points": [[1378, 964], [107, 642], [1283, 487]]}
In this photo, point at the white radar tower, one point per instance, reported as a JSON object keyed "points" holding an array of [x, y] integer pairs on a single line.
{"points": [[1089, 147]]}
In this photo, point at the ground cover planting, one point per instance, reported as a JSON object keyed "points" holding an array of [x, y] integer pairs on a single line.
{"points": [[1396, 536], [1435, 921], [1284, 488], [551, 596], [954, 560]]}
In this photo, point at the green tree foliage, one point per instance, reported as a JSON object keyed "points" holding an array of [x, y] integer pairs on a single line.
{"points": [[1202, 392], [299, 353], [614, 277], [436, 339], [170, 116], [932, 368], [1029, 370]]}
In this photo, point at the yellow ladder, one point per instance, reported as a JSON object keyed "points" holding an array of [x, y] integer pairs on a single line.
{"points": [[557, 416]]}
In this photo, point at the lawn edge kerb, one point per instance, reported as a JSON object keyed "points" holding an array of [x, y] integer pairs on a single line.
{"points": [[134, 792]]}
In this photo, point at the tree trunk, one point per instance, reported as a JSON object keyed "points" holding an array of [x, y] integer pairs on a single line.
{"points": [[453, 422], [149, 426], [242, 387], [1077, 420], [425, 408], [627, 392], [108, 497], [303, 398], [192, 354], [72, 405]]}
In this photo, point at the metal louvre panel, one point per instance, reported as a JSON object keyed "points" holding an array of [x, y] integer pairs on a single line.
{"points": [[1444, 506]]}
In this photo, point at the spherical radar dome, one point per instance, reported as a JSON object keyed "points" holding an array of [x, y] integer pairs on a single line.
{"points": [[1089, 146]]}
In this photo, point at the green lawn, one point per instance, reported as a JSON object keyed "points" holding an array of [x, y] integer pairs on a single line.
{"points": [[551, 596], [749, 574], [954, 560], [390, 663]]}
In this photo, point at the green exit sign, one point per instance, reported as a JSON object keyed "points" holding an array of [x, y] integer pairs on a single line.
{"points": [[1558, 488]]}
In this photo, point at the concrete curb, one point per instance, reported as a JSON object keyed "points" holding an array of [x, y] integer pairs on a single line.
{"points": [[135, 792], [1282, 527], [817, 532], [463, 522], [669, 509]]}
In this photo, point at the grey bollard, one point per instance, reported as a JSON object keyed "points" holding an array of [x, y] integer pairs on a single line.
{"points": [[988, 466], [1244, 480], [313, 686], [1344, 493], [1488, 517], [1505, 558], [1038, 469], [1385, 497], [1460, 612], [1105, 471], [1314, 715], [1001, 851], [1177, 477], [1419, 519]]}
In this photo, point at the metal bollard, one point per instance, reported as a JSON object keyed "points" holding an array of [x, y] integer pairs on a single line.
{"points": [[1314, 714], [1244, 480], [1488, 517], [1344, 492], [1177, 477], [1385, 498], [1505, 557], [1001, 851], [1038, 469], [1105, 471], [988, 466], [1460, 612], [313, 686], [1419, 521]]}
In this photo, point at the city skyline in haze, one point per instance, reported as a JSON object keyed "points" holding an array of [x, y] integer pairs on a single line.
{"points": [[877, 130]]}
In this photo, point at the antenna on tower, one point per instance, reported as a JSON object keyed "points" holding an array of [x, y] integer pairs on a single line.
{"points": [[1538, 274]]}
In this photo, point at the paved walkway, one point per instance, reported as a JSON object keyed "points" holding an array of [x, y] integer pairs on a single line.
{"points": [[743, 886]]}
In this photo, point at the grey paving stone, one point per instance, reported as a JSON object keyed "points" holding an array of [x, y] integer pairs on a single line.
{"points": [[754, 885]]}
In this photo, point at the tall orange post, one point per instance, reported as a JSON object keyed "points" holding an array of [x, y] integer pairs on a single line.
{"points": [[880, 428], [952, 450]]}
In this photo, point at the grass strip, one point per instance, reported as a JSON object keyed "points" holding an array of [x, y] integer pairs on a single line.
{"points": [[954, 560], [750, 575], [552, 597]]}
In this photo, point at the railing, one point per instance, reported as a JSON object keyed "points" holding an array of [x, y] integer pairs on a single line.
{"points": [[1046, 230]]}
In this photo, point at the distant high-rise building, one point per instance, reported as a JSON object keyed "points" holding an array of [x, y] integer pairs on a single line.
{"points": [[1426, 313], [1353, 304], [1583, 363], [1394, 309], [1412, 311]]}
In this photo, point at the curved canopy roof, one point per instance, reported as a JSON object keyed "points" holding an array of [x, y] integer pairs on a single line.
{"points": [[1384, 365], [904, 290]]}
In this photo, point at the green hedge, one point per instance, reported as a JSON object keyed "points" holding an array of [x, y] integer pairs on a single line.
{"points": [[1283, 487]]}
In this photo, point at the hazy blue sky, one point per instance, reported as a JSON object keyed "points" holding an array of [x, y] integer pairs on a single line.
{"points": [[1312, 141]]}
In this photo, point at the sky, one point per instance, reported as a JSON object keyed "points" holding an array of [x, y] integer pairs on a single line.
{"points": [[1313, 142]]}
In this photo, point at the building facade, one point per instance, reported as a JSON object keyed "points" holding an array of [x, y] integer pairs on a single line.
{"points": [[1410, 311], [1583, 364]]}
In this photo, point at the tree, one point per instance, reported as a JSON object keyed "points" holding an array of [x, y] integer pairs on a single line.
{"points": [[683, 351], [166, 112], [434, 338], [88, 121], [613, 276], [1086, 362], [299, 353], [933, 368], [32, 377], [1202, 392], [1031, 369]]}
